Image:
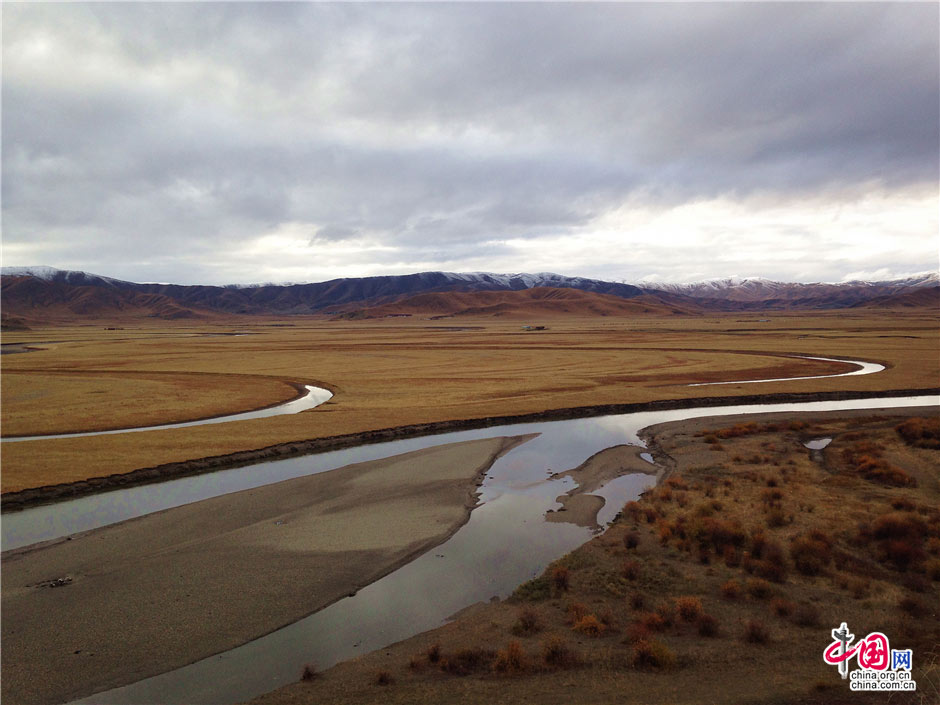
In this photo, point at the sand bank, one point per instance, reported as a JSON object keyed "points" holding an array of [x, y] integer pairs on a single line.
{"points": [[155, 593], [579, 506]]}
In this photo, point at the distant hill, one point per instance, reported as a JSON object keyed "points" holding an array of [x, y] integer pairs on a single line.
{"points": [[32, 298], [540, 302], [921, 297], [46, 293]]}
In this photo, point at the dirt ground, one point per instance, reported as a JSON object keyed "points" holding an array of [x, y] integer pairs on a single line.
{"points": [[155, 593], [388, 373], [721, 585]]}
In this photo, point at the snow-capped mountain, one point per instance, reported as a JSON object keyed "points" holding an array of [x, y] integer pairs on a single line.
{"points": [[29, 289]]}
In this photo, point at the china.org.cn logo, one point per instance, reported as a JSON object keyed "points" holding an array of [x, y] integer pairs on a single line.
{"points": [[879, 666]]}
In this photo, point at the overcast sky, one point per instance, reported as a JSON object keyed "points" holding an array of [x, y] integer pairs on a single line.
{"points": [[234, 143]]}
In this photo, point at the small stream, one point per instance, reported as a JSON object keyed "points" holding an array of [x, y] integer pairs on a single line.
{"points": [[505, 542]]}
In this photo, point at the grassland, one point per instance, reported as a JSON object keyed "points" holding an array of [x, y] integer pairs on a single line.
{"points": [[721, 585], [389, 373]]}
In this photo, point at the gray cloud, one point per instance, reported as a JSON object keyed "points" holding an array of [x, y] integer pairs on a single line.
{"points": [[164, 138]]}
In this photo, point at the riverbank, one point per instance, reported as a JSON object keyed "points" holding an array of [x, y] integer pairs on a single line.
{"points": [[721, 585], [121, 603], [21, 499]]}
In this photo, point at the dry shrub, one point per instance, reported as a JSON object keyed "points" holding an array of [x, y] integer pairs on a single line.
{"points": [[383, 678], [781, 607], [653, 655], [676, 482], [755, 632], [732, 557], [718, 533], [434, 653], [631, 540], [933, 569], [865, 459], [666, 612], [776, 518], [636, 631], [914, 606], [903, 504], [556, 654], [467, 661], [731, 590], [633, 510], [631, 570], [590, 626], [309, 673], [416, 663], [512, 659], [653, 621], [759, 588], [650, 514], [689, 608], [637, 600], [527, 623], [575, 611], [811, 553], [806, 615], [921, 432], [560, 578], [707, 625]]}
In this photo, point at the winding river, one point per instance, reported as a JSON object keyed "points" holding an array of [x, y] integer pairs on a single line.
{"points": [[309, 399]]}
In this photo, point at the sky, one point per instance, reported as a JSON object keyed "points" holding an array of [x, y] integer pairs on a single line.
{"points": [[224, 143]]}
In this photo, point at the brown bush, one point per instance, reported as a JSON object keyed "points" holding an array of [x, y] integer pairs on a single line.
{"points": [[631, 570], [759, 588], [731, 556], [653, 621], [781, 607], [590, 626], [635, 632], [806, 615], [527, 623], [467, 661], [434, 653], [631, 540], [383, 678], [689, 608], [560, 578], [707, 625], [914, 606], [755, 632], [637, 600], [512, 659], [811, 553], [921, 432], [653, 655], [666, 612], [309, 673], [556, 654], [731, 590], [575, 611], [933, 569]]}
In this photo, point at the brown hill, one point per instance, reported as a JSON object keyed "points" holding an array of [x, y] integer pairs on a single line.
{"points": [[39, 300], [539, 301], [925, 297]]}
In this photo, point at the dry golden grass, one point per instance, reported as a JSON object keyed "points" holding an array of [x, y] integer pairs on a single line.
{"points": [[390, 373]]}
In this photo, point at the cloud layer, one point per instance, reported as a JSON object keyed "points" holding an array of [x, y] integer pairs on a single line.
{"points": [[221, 143]]}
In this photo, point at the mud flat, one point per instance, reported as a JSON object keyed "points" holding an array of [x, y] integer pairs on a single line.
{"points": [[124, 602]]}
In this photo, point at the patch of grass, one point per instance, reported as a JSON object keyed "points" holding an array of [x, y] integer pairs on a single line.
{"points": [[631, 570], [759, 588], [560, 578], [782, 607], [534, 590], [811, 552], [806, 615], [467, 661], [921, 432], [731, 590]]}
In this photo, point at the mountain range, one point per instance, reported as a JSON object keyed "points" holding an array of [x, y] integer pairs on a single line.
{"points": [[46, 293]]}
